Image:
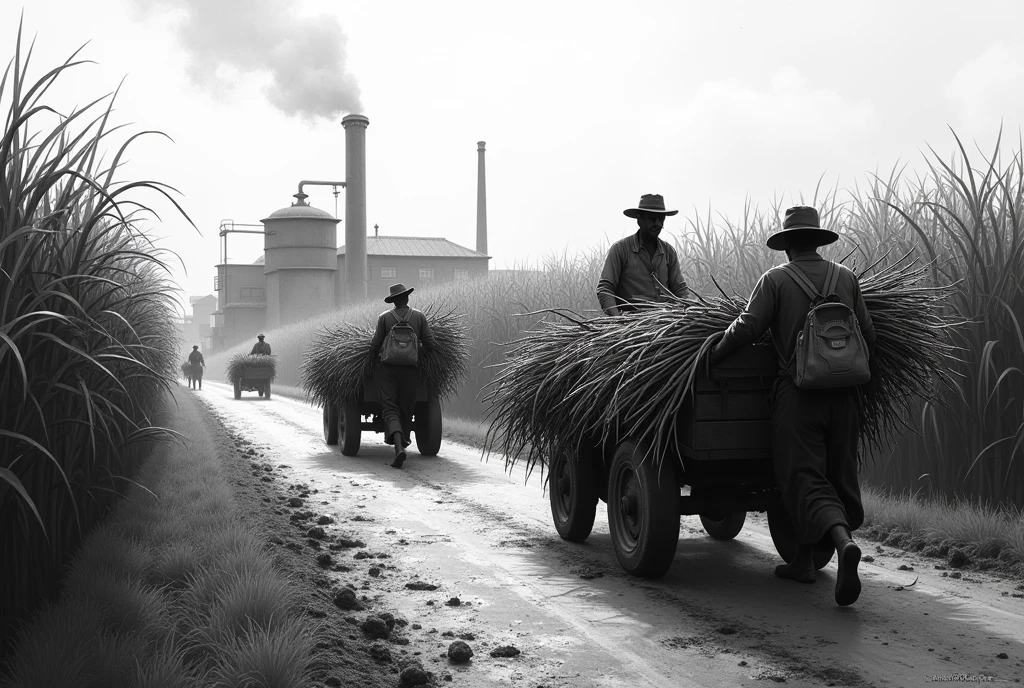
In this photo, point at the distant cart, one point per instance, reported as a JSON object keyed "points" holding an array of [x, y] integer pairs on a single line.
{"points": [[344, 420], [723, 455], [252, 373]]}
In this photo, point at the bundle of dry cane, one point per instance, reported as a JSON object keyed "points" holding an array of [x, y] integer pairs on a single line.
{"points": [[587, 380], [336, 360], [238, 363]]}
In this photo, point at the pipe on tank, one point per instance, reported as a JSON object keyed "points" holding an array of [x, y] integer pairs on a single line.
{"points": [[318, 183]]}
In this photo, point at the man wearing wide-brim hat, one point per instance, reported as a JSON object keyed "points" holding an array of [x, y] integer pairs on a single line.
{"points": [[814, 431], [399, 378], [196, 360], [642, 267]]}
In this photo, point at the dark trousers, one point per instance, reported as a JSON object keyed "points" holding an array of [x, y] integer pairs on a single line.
{"points": [[398, 397], [814, 444]]}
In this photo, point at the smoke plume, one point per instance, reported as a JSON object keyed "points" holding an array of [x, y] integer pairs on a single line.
{"points": [[303, 56]]}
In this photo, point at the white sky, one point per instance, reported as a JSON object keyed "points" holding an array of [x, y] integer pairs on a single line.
{"points": [[584, 105]]}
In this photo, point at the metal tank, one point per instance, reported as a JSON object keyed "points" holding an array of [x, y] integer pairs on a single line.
{"points": [[300, 253]]}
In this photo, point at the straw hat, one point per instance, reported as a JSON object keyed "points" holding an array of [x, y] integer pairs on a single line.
{"points": [[802, 219], [649, 203], [396, 291]]}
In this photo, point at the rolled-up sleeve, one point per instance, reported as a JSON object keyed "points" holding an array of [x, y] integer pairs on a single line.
{"points": [[755, 319], [676, 283], [610, 275]]}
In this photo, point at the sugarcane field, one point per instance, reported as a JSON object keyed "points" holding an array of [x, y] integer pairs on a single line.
{"points": [[546, 345]]}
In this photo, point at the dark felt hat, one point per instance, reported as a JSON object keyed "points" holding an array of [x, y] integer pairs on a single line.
{"points": [[260, 336], [649, 203], [195, 346], [801, 219], [396, 291]]}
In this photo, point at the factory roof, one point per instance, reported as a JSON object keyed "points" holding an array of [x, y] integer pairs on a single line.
{"points": [[421, 247]]}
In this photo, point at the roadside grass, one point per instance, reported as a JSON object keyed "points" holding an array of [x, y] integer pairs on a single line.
{"points": [[172, 590]]}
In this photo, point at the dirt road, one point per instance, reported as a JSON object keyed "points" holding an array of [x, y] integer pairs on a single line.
{"points": [[718, 618]]}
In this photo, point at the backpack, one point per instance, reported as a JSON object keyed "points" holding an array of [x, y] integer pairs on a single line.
{"points": [[401, 346], [830, 350]]}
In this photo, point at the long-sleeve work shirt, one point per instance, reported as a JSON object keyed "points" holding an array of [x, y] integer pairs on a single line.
{"points": [[261, 348], [388, 319], [631, 274], [778, 304]]}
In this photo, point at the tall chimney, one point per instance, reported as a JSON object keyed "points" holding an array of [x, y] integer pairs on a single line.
{"points": [[481, 201], [355, 207]]}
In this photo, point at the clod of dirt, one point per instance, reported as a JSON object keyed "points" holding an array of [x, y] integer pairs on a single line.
{"points": [[904, 567], [363, 555], [325, 560], [325, 520], [413, 675], [374, 571], [316, 532], [459, 652], [266, 479], [346, 599], [420, 585], [447, 676], [315, 544], [1002, 655], [467, 636], [867, 558], [416, 627], [453, 602], [295, 502], [345, 543], [505, 651], [375, 627], [361, 518], [389, 619], [448, 634], [957, 558], [301, 516], [380, 652], [742, 662]]}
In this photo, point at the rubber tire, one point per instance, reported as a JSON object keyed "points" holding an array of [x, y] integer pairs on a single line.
{"points": [[572, 490], [350, 430], [238, 389], [645, 542], [266, 390], [726, 527], [428, 427], [784, 537], [331, 423]]}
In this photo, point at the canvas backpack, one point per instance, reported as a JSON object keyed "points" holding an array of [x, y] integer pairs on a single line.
{"points": [[830, 350], [401, 346]]}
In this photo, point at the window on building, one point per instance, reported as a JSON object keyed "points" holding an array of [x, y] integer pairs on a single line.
{"points": [[461, 275], [389, 273], [426, 273], [253, 294]]}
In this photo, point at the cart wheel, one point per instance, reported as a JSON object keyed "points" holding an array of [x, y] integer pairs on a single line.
{"points": [[784, 537], [428, 427], [267, 390], [349, 428], [331, 423], [572, 488], [725, 527], [238, 389], [643, 511]]}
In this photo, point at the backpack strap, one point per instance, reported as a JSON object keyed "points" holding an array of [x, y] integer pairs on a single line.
{"points": [[400, 321], [801, 280], [832, 278]]}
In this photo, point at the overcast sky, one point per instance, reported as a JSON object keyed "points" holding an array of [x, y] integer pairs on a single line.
{"points": [[584, 105]]}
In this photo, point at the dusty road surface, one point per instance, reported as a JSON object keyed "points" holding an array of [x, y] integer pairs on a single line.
{"points": [[718, 618]]}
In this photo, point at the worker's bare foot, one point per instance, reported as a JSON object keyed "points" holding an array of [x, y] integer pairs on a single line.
{"points": [[847, 581], [803, 573], [399, 459]]}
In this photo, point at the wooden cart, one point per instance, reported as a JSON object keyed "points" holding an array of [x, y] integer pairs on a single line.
{"points": [[724, 456], [345, 420], [254, 379]]}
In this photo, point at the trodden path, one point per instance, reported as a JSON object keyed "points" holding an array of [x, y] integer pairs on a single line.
{"points": [[718, 617]]}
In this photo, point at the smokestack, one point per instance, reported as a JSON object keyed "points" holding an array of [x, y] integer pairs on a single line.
{"points": [[481, 201], [355, 207]]}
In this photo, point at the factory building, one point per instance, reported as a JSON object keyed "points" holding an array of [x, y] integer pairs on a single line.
{"points": [[303, 273]]}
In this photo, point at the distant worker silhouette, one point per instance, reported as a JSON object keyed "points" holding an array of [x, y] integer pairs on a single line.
{"points": [[196, 360], [260, 348]]}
